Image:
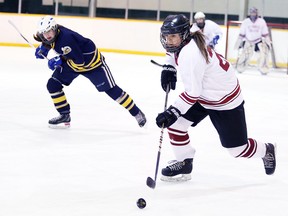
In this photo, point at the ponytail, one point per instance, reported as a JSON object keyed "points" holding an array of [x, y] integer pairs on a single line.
{"points": [[199, 39]]}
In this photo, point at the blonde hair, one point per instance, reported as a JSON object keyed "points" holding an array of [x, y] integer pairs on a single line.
{"points": [[199, 39]]}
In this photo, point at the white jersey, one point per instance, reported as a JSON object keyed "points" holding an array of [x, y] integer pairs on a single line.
{"points": [[254, 31], [210, 30], [214, 85]]}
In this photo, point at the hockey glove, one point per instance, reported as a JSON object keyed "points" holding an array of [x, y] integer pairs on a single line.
{"points": [[168, 77], [215, 40], [41, 51], [54, 63], [168, 117]]}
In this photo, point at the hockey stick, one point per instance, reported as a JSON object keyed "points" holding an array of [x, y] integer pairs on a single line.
{"points": [[11, 23], [152, 182], [156, 63], [31, 45]]}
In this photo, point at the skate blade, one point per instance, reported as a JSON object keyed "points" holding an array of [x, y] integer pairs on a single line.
{"points": [[264, 71], [177, 178], [60, 126], [145, 126]]}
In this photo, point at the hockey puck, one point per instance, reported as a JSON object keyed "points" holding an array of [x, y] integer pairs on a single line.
{"points": [[141, 203]]}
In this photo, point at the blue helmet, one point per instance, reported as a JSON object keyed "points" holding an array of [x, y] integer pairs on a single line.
{"points": [[175, 24]]}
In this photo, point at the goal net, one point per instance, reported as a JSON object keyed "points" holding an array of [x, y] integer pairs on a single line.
{"points": [[278, 59]]}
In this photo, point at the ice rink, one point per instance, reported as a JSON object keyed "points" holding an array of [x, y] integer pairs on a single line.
{"points": [[99, 166]]}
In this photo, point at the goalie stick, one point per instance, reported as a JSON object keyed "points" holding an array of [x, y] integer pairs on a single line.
{"points": [[31, 45]]}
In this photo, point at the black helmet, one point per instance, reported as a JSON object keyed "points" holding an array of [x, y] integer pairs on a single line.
{"points": [[175, 24]]}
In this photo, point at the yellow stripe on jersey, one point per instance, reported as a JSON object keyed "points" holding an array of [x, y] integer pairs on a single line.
{"points": [[94, 63]]}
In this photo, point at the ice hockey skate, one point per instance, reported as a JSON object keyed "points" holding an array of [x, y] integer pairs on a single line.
{"points": [[141, 119], [178, 171], [269, 160], [60, 122], [264, 70]]}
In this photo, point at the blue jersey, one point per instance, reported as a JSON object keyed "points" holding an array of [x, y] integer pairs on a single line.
{"points": [[80, 53]]}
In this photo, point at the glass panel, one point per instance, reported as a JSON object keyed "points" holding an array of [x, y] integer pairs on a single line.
{"points": [[273, 11], [111, 8], [73, 7], [11, 6]]}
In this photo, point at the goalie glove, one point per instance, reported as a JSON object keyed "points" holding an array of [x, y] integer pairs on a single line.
{"points": [[168, 117], [168, 77]]}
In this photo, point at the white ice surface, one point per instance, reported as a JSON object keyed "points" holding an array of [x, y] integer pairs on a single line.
{"points": [[99, 166]]}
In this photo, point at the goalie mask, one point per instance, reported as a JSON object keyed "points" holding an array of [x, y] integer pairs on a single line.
{"points": [[175, 24], [253, 14], [47, 29]]}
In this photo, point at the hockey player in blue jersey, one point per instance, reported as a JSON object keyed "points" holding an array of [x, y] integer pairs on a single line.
{"points": [[76, 55]]}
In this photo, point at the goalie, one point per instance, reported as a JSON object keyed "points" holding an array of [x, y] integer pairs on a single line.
{"points": [[253, 38]]}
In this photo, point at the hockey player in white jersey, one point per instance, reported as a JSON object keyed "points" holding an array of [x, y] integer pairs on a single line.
{"points": [[210, 29], [253, 38], [211, 89]]}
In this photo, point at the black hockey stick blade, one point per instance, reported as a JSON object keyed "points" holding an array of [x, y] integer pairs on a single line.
{"points": [[150, 183], [156, 63]]}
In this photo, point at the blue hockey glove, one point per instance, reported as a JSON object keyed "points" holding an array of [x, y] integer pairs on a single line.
{"points": [[54, 62], [168, 117], [168, 77], [41, 51], [215, 40]]}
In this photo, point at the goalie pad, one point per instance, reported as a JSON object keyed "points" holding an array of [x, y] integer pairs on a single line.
{"points": [[267, 41], [244, 56], [239, 43], [263, 59]]}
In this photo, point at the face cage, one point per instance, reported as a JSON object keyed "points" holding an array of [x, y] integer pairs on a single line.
{"points": [[174, 49], [44, 40], [201, 25], [253, 17]]}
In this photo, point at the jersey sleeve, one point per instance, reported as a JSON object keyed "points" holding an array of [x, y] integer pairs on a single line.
{"points": [[218, 30], [264, 29], [242, 31]]}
